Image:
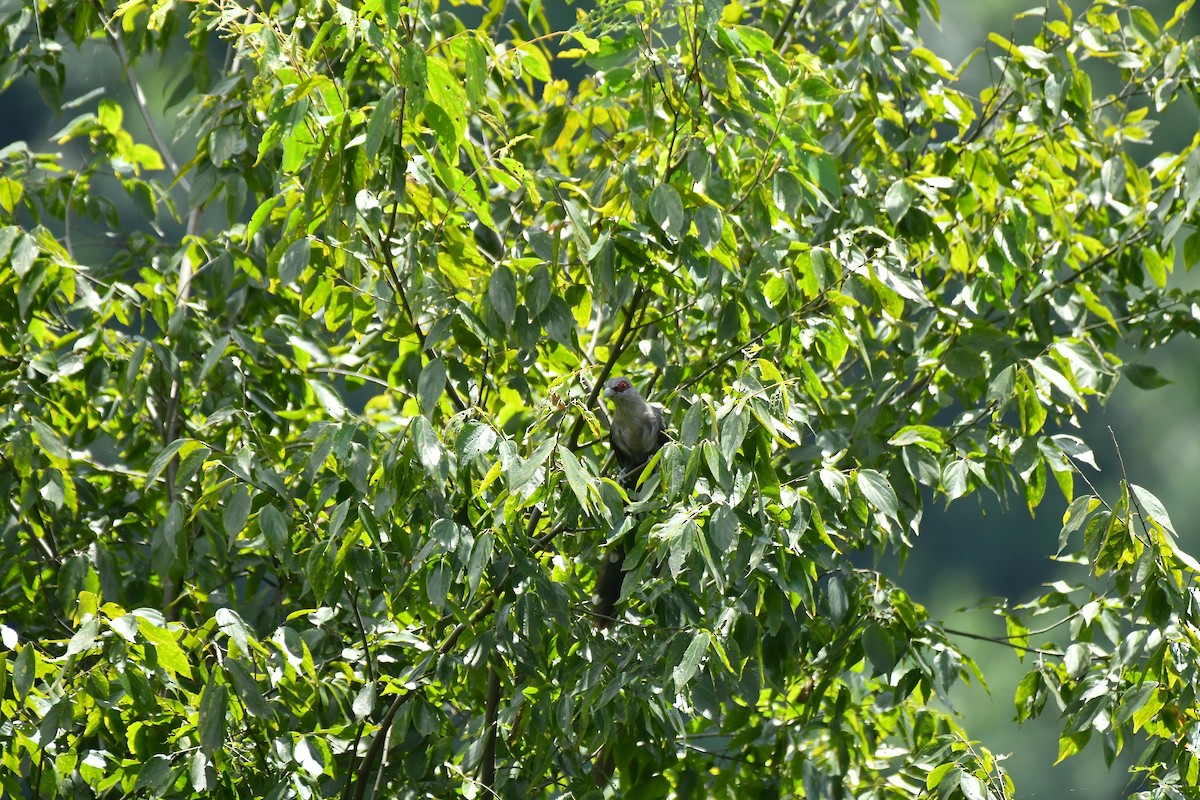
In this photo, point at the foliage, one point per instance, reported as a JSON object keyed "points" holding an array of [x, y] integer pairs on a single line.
{"points": [[303, 465]]}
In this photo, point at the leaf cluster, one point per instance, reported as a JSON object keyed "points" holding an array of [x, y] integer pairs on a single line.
{"points": [[302, 456]]}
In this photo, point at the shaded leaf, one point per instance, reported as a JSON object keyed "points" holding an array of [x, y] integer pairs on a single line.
{"points": [[879, 492], [1144, 376], [687, 667]]}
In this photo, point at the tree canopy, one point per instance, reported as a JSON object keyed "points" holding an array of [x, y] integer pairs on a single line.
{"points": [[305, 481]]}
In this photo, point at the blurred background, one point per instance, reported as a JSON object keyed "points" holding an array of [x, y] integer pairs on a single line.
{"points": [[973, 550]]}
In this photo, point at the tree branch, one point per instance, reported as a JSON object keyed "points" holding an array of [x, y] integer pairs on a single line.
{"points": [[1003, 640], [487, 768]]}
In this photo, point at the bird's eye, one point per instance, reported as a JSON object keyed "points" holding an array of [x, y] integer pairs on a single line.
{"points": [[622, 386]]}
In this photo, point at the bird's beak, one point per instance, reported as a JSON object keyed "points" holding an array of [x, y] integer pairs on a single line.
{"points": [[608, 392]]}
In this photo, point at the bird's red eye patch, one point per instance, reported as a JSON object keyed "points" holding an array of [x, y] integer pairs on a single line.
{"points": [[621, 386]]}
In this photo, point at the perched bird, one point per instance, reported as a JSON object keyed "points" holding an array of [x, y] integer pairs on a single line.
{"points": [[636, 432], [636, 429]]}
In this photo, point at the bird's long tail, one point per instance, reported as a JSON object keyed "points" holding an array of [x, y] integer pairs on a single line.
{"points": [[608, 587]]}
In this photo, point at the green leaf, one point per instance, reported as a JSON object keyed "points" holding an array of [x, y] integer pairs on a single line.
{"points": [[1135, 700], [330, 400], [155, 776], [125, 626], [839, 604], [447, 134], [817, 89], [936, 64], [260, 216], [475, 439], [24, 253], [381, 124], [437, 586], [1153, 508], [84, 638], [446, 533], [364, 702], [481, 557], [294, 261], [476, 64], [199, 769], [311, 757], [972, 787], [1077, 660], [580, 230], [879, 649], [734, 427], [1144, 376], [1156, 266], [577, 479], [1071, 744], [31, 283], [233, 626], [822, 170], [236, 511], [109, 114], [787, 192], [1074, 517], [923, 435], [955, 478], [413, 72], [319, 567], [522, 472], [171, 656], [667, 210], [1147, 710], [274, 527], [534, 62], [24, 671], [1033, 412], [429, 449], [247, 689], [709, 226], [448, 101], [11, 193], [879, 493], [165, 552], [1026, 696], [538, 291], [50, 443], [214, 704], [163, 458], [1191, 250], [1144, 24], [723, 529], [502, 292], [430, 385], [898, 199], [687, 667], [938, 774]]}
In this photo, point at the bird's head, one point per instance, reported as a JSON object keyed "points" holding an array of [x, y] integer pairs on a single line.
{"points": [[618, 388]]}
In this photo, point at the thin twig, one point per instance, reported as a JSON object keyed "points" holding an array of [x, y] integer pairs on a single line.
{"points": [[795, 11], [1003, 641], [139, 98]]}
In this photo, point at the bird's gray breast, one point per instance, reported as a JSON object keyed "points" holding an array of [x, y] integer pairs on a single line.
{"points": [[638, 435]]}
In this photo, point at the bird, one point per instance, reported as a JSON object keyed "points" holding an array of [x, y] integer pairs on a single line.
{"points": [[637, 430]]}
